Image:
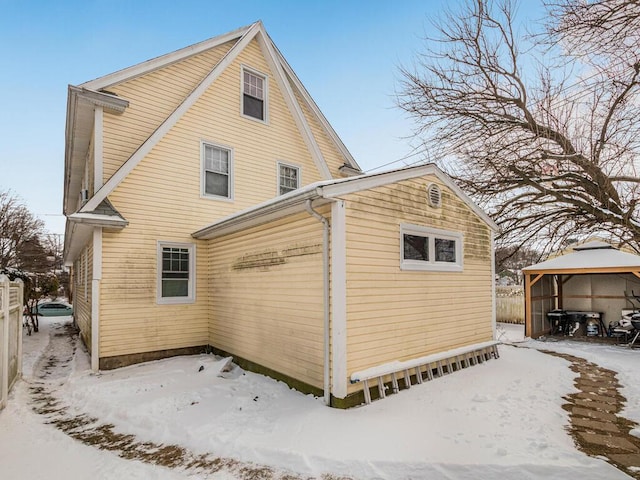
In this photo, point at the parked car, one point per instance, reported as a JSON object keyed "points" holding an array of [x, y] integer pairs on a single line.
{"points": [[53, 309]]}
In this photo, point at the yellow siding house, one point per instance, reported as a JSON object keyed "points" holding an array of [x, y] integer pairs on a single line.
{"points": [[211, 206]]}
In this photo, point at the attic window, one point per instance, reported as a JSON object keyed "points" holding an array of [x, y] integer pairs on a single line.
{"points": [[253, 95], [434, 196], [288, 178]]}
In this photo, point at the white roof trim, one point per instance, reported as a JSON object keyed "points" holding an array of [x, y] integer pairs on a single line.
{"points": [[327, 190], [600, 259], [162, 61], [171, 120], [275, 64], [316, 110], [98, 220]]}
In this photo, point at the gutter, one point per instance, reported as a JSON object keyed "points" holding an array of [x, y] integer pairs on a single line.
{"points": [[325, 284]]}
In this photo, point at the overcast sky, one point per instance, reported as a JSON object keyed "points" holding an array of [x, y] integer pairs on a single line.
{"points": [[347, 54]]}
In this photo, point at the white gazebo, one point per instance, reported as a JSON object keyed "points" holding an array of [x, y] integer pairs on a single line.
{"points": [[594, 277]]}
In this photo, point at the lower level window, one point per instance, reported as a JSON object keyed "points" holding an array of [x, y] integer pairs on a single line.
{"points": [[425, 248], [176, 272]]}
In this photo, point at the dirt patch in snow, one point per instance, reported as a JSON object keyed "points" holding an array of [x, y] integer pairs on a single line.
{"points": [[54, 367]]}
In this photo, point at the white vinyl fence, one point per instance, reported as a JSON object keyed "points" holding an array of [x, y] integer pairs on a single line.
{"points": [[510, 304], [10, 335]]}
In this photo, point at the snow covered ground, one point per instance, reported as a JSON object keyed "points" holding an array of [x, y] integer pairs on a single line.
{"points": [[502, 418]]}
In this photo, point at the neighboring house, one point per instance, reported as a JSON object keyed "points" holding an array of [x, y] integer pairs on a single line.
{"points": [[207, 208]]}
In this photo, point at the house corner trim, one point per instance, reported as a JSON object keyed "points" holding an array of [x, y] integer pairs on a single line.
{"points": [[339, 299], [95, 298]]}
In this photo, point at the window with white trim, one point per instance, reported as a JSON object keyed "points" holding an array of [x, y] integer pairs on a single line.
{"points": [[288, 178], [254, 95], [176, 272], [425, 248], [217, 169]]}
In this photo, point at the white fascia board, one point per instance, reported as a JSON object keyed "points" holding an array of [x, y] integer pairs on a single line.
{"points": [[171, 120], [279, 207], [290, 99], [81, 104], [366, 182], [316, 110], [98, 220], [111, 103], [163, 60]]}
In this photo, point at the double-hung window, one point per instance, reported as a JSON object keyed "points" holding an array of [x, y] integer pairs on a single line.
{"points": [[176, 272], [288, 178], [425, 248], [254, 94], [217, 163]]}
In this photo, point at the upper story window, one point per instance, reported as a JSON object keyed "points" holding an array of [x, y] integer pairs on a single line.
{"points": [[254, 89], [424, 248], [217, 169], [288, 178], [176, 272]]}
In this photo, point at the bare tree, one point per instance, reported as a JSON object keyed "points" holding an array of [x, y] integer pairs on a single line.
{"points": [[545, 137], [19, 229]]}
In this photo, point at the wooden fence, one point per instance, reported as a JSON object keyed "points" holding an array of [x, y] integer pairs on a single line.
{"points": [[10, 336], [510, 304]]}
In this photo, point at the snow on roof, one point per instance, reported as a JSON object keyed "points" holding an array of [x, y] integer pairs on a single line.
{"points": [[592, 255]]}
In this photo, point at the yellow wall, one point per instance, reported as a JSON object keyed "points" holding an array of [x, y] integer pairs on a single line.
{"points": [[152, 98], [161, 200], [82, 292], [267, 296], [398, 315]]}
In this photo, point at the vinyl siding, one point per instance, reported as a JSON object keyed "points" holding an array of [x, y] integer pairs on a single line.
{"points": [[152, 98], [161, 199], [82, 294], [267, 296], [399, 315]]}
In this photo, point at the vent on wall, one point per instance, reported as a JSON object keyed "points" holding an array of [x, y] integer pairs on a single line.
{"points": [[434, 196]]}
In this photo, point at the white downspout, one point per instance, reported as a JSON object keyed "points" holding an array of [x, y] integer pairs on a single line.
{"points": [[325, 284]]}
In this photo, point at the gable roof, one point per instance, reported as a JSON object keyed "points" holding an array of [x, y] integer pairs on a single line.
{"points": [[323, 192], [592, 257], [283, 75]]}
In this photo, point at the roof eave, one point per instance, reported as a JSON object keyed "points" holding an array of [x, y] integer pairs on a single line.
{"points": [[81, 103], [279, 207], [97, 220]]}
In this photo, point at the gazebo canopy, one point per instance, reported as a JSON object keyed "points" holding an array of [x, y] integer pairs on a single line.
{"points": [[594, 277], [592, 257]]}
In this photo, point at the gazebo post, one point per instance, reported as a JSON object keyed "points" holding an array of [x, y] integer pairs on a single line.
{"points": [[527, 305], [559, 299]]}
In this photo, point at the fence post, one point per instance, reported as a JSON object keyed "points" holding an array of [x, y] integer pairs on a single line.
{"points": [[4, 340], [21, 319]]}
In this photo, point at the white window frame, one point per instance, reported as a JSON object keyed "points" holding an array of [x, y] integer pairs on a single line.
{"points": [[289, 165], [203, 193], [265, 93], [432, 234], [191, 297]]}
